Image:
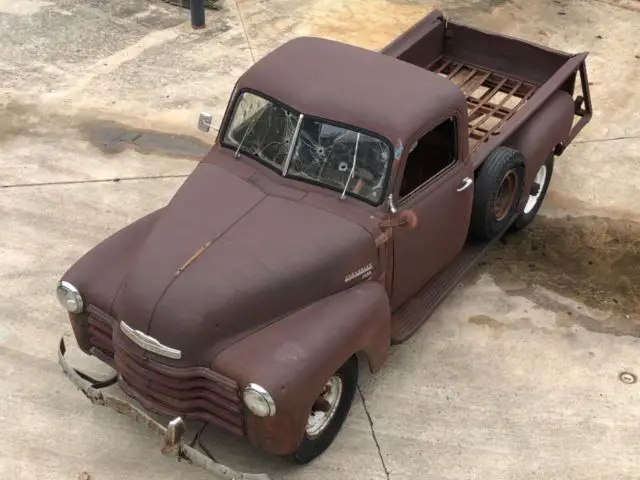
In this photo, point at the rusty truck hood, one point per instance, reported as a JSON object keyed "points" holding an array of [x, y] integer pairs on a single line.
{"points": [[248, 259]]}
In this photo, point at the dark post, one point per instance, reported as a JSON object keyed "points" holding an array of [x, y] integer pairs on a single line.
{"points": [[197, 13]]}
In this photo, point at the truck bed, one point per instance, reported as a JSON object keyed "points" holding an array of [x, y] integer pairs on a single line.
{"points": [[492, 98], [505, 80]]}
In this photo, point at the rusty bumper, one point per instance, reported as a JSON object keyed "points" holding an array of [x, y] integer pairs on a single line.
{"points": [[172, 433]]}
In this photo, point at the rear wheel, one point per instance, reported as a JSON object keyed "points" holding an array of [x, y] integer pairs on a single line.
{"points": [[497, 191], [329, 412], [537, 193]]}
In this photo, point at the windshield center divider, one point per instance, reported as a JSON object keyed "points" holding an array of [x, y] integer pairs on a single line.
{"points": [[294, 140]]}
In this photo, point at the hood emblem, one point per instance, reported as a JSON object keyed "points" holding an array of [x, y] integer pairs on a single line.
{"points": [[149, 343], [362, 272]]}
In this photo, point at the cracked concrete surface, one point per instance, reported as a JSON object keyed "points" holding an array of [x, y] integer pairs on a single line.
{"points": [[373, 432], [516, 376]]}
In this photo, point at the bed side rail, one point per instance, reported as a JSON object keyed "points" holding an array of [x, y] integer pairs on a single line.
{"points": [[582, 103]]}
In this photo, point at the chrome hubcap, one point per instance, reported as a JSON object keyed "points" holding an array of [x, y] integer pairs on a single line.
{"points": [[541, 178], [324, 409]]}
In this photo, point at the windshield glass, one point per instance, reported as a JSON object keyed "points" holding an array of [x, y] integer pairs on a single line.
{"points": [[329, 155]]}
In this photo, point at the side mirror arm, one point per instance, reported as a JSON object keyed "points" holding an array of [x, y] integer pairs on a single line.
{"points": [[402, 218], [392, 206], [401, 222]]}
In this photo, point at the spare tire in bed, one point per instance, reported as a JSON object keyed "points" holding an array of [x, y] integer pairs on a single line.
{"points": [[498, 187]]}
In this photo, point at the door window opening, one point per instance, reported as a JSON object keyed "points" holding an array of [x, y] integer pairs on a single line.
{"points": [[433, 153]]}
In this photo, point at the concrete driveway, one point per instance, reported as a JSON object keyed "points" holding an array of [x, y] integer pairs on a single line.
{"points": [[515, 377]]}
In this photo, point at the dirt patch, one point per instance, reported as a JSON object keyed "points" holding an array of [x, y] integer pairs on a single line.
{"points": [[365, 23], [498, 328], [373, 24], [591, 259], [18, 119], [633, 5]]}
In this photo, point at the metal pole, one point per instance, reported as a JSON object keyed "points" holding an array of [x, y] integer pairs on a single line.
{"points": [[197, 13]]}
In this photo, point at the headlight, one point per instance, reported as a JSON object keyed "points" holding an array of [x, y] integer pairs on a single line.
{"points": [[258, 400], [69, 297]]}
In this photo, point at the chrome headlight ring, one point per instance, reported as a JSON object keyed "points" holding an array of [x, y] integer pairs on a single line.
{"points": [[258, 400], [69, 297]]}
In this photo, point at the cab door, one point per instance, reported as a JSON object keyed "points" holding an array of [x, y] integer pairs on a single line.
{"points": [[436, 183]]}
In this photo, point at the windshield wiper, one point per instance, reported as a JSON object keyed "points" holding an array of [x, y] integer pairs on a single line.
{"points": [[246, 132], [294, 140], [353, 168]]}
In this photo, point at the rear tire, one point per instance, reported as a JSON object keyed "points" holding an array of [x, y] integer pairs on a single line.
{"points": [[498, 188], [319, 437], [534, 202]]}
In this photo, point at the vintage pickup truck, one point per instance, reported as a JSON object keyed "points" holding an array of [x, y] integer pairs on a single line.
{"points": [[346, 194]]}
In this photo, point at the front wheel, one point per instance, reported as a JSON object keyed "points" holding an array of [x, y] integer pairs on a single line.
{"points": [[329, 412]]}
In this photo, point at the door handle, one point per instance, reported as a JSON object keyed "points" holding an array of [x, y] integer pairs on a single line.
{"points": [[466, 183]]}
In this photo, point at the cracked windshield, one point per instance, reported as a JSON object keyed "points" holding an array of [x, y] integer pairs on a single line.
{"points": [[324, 154]]}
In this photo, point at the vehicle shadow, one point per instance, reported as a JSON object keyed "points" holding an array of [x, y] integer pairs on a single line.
{"points": [[237, 452]]}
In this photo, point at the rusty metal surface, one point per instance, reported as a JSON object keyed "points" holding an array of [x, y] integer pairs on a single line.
{"points": [[172, 435], [262, 265], [526, 74], [195, 393], [100, 332]]}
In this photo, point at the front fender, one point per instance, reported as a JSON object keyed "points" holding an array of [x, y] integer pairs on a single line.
{"points": [[294, 357], [99, 272]]}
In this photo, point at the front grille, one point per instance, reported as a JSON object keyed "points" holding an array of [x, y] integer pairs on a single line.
{"points": [[101, 335], [194, 393]]}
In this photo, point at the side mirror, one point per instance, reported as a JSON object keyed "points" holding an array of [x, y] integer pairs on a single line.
{"points": [[408, 218], [403, 218], [204, 122]]}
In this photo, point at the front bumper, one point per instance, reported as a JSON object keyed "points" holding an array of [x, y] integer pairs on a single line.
{"points": [[172, 434]]}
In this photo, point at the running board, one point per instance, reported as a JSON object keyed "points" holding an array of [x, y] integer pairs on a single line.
{"points": [[408, 318]]}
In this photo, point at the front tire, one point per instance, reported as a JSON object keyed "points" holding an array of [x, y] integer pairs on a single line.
{"points": [[328, 413]]}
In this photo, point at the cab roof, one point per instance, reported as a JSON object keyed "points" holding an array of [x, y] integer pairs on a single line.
{"points": [[348, 84]]}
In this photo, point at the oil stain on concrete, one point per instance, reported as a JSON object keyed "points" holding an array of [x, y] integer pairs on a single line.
{"points": [[113, 137], [498, 328], [109, 136]]}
